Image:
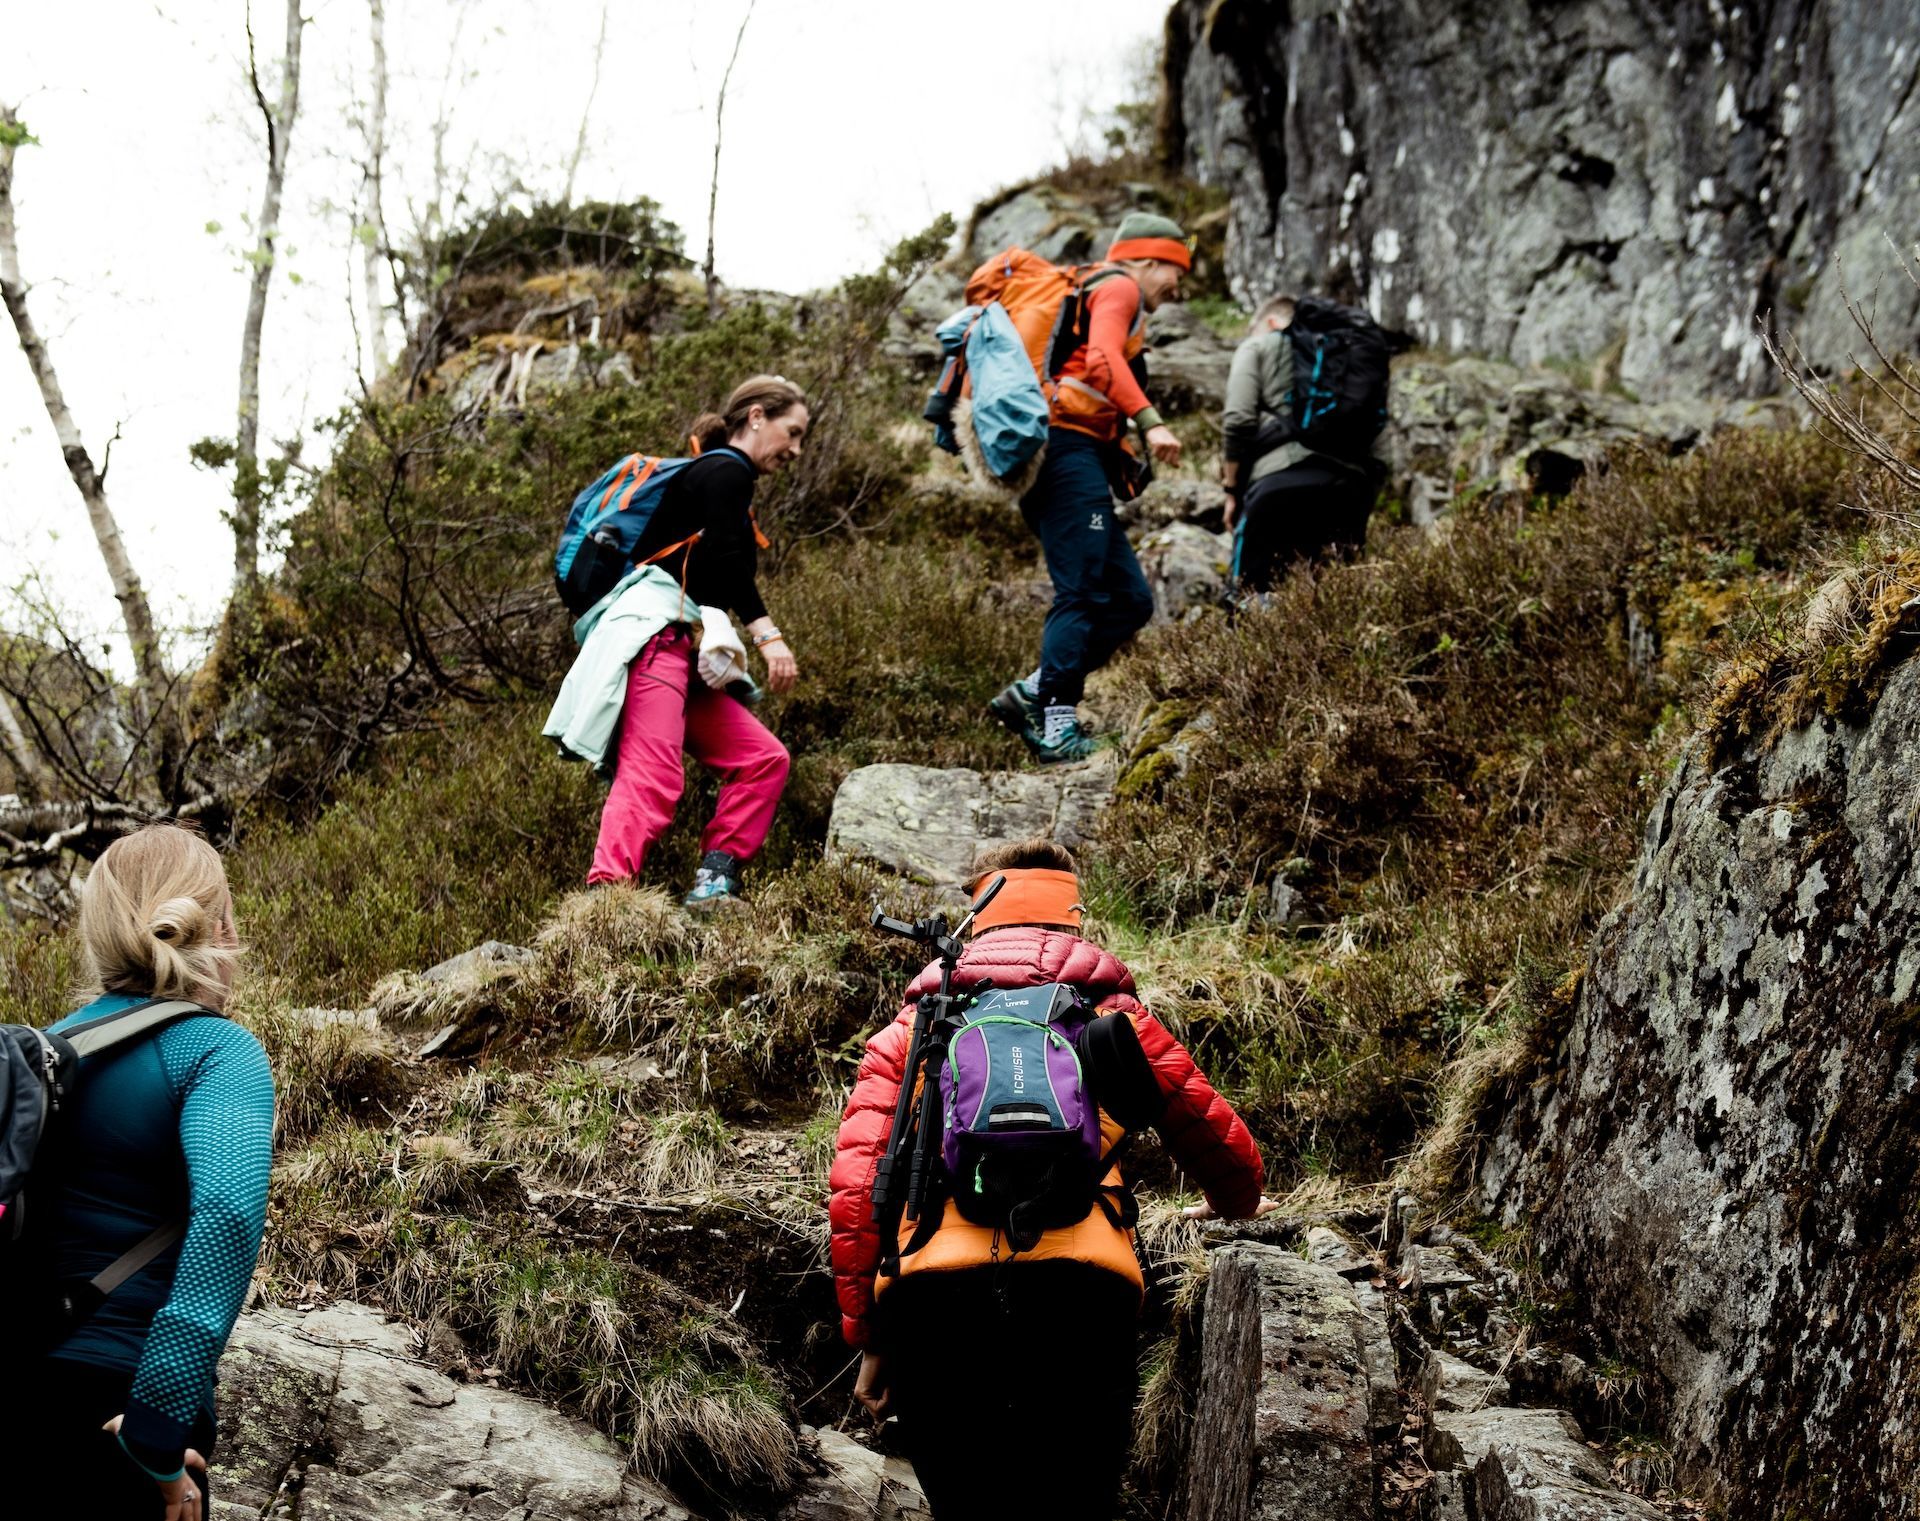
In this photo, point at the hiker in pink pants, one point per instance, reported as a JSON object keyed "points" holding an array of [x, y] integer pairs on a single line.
{"points": [[670, 709], [703, 533]]}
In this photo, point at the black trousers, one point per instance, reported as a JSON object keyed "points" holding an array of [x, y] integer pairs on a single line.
{"points": [[50, 1428], [1015, 1387], [1312, 511]]}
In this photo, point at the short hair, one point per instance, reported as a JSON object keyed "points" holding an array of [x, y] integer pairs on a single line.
{"points": [[1273, 306], [1039, 853]]}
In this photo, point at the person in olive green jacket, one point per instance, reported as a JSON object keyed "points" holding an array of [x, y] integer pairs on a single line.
{"points": [[1285, 502]]}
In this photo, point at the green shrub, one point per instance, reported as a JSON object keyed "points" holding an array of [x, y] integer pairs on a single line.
{"points": [[41, 971], [449, 839]]}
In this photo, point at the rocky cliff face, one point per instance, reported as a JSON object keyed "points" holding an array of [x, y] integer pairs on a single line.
{"points": [[1719, 1163], [1622, 181]]}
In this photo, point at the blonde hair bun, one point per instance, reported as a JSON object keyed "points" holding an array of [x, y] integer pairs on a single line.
{"points": [[181, 923]]}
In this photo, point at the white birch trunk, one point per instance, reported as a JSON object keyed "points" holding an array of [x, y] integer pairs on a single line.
{"points": [[246, 488], [150, 716], [586, 111], [713, 188], [373, 249]]}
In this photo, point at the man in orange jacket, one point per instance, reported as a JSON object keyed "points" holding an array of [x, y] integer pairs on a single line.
{"points": [[975, 1345], [1100, 598]]}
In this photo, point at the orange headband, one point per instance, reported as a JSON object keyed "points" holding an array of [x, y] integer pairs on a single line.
{"points": [[1169, 250], [1033, 895]]}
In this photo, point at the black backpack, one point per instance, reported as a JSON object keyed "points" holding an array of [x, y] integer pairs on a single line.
{"points": [[40, 1074], [1340, 378]]}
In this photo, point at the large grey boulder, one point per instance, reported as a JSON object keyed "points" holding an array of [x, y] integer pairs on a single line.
{"points": [[1529, 1465], [1472, 425], [328, 1414], [927, 823], [1296, 1386], [1448, 1383], [1601, 180], [1559, 1482], [1717, 1160]]}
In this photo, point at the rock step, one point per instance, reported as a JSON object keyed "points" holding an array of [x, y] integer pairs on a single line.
{"points": [[1298, 1385], [328, 1413], [926, 822]]}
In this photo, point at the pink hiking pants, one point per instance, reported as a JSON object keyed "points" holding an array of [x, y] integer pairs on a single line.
{"points": [[668, 709]]}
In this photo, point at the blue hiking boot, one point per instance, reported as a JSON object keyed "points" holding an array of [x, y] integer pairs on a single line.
{"points": [[1018, 706], [715, 884], [1069, 742]]}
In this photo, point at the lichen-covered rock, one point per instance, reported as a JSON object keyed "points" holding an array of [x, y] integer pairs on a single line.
{"points": [[1466, 427], [1448, 1383], [1606, 180], [1562, 1481], [328, 1414], [1186, 566], [1187, 362], [1296, 1385], [927, 823], [1718, 1164], [854, 1483]]}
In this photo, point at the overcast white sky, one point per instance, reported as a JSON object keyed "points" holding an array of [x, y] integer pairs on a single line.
{"points": [[849, 123]]}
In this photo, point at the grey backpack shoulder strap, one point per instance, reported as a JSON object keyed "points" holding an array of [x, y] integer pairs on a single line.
{"points": [[137, 1256], [116, 1029]]}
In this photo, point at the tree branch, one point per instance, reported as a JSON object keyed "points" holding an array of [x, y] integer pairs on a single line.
{"points": [[713, 188]]}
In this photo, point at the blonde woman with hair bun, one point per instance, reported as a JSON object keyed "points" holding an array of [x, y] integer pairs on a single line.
{"points": [[168, 1139]]}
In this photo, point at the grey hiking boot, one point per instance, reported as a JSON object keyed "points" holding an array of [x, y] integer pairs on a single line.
{"points": [[1018, 706], [715, 884], [1070, 743]]}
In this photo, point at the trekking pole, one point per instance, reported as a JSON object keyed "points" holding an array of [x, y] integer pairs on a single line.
{"points": [[928, 1008]]}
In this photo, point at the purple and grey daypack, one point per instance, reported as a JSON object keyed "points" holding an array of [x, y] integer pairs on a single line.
{"points": [[1020, 1138]]}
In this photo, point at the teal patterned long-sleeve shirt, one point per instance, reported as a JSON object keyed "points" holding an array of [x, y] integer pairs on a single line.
{"points": [[178, 1126]]}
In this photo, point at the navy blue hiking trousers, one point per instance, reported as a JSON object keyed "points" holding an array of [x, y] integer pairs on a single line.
{"points": [[1100, 598]]}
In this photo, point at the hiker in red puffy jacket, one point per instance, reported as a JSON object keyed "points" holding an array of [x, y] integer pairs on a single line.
{"points": [[1013, 1373]]}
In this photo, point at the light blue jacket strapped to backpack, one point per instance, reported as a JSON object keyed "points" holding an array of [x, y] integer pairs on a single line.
{"points": [[611, 635], [1009, 408]]}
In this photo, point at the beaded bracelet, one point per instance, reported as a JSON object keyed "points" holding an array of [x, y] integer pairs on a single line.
{"points": [[767, 638]]}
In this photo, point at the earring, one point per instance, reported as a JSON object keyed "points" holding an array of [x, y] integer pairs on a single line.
{"points": [[756, 427]]}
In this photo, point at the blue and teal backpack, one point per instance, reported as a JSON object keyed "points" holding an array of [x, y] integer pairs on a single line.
{"points": [[605, 524]]}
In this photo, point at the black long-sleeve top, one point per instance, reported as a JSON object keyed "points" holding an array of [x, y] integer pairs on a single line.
{"points": [[712, 497]]}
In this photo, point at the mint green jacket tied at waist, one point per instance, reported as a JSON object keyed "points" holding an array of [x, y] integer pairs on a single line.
{"points": [[611, 634]]}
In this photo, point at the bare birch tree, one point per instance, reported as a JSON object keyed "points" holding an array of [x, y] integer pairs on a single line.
{"points": [[151, 715], [247, 493], [373, 234], [586, 111], [713, 188]]}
